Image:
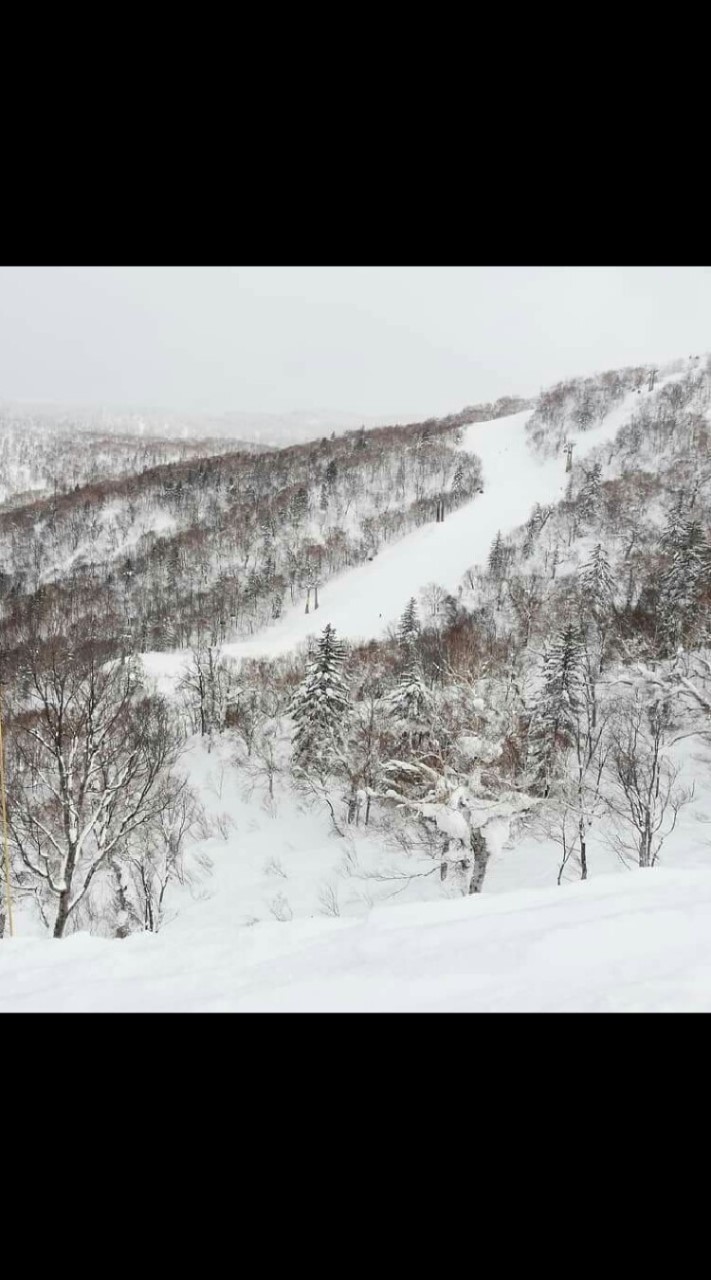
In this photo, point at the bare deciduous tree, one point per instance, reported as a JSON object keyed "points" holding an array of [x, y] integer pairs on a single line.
{"points": [[646, 798], [91, 753], [154, 857], [205, 686]]}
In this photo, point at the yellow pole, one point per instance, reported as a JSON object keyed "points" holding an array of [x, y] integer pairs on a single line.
{"points": [[6, 847]]}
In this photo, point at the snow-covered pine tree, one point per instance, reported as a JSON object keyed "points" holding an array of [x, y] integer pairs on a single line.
{"points": [[458, 480], [320, 705], [497, 557], [535, 523], [409, 698], [558, 705], [682, 581], [676, 528], [596, 582], [299, 508], [409, 628], [589, 496]]}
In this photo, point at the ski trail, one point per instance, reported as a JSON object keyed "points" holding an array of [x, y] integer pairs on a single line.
{"points": [[361, 602]]}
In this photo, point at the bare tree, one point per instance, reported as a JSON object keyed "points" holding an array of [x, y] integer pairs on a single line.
{"points": [[590, 748], [433, 597], [526, 592], [646, 798], [315, 789], [155, 856], [328, 900], [557, 821], [280, 908], [686, 680], [204, 685], [91, 753], [267, 759]]}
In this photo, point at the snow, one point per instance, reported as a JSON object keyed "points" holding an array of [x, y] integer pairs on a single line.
{"points": [[615, 944], [452, 823], [362, 602], [252, 936], [625, 940]]}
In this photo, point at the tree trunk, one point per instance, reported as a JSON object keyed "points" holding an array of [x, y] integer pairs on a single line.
{"points": [[583, 853], [62, 914], [481, 857], [122, 930], [644, 848], [65, 895]]}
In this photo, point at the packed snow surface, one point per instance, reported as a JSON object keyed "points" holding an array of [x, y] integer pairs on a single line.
{"points": [[633, 943]]}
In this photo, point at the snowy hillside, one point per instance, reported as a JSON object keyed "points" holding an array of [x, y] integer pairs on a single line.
{"points": [[40, 455], [457, 759], [362, 602]]}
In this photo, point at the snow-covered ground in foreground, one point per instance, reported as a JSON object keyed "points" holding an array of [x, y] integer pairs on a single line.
{"points": [[362, 602], [635, 943], [626, 939]]}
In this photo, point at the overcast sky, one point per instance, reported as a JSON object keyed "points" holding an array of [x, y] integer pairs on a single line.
{"points": [[368, 340]]}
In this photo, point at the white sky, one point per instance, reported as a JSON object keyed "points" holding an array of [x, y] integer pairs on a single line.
{"points": [[368, 340]]}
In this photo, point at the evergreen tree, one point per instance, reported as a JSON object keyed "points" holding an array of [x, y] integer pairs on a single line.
{"points": [[683, 580], [410, 697], [558, 706], [537, 519], [589, 496], [451, 609], [320, 705], [497, 557], [409, 628], [300, 505], [596, 582], [253, 588], [269, 549], [676, 528], [458, 480]]}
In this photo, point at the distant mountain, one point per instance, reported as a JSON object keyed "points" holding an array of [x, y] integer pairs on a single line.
{"points": [[239, 426], [296, 427]]}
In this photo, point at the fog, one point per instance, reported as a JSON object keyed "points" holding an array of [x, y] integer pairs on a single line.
{"points": [[409, 341]]}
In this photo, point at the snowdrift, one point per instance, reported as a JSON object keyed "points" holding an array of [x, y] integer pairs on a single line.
{"points": [[634, 943]]}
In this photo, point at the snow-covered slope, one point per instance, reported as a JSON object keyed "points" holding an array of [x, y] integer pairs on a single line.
{"points": [[361, 602], [627, 939], [634, 943]]}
